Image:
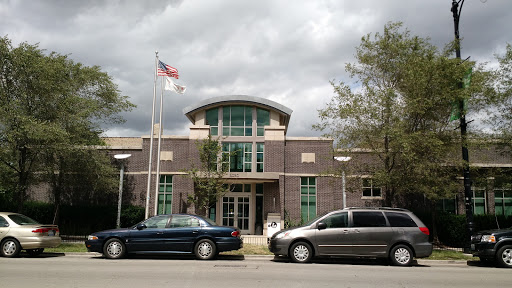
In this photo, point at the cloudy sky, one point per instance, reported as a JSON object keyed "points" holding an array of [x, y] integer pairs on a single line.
{"points": [[285, 51]]}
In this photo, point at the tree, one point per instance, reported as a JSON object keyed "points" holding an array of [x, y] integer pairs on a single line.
{"points": [[399, 108], [209, 182], [51, 110]]}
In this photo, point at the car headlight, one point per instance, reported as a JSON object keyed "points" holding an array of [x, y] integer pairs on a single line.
{"points": [[91, 237], [488, 239], [282, 235]]}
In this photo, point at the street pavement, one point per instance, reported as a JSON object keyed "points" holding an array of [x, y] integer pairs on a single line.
{"points": [[92, 270]]}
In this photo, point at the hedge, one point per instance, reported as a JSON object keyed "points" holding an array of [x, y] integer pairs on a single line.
{"points": [[81, 220]]}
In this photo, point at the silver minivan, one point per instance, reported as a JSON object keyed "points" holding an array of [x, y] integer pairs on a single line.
{"points": [[391, 233]]}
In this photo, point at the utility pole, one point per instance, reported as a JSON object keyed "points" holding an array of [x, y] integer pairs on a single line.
{"points": [[468, 194]]}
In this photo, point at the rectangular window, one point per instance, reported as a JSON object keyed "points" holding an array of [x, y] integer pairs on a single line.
{"points": [[262, 120], [238, 156], [368, 219], [503, 198], [447, 205], [259, 156], [307, 198], [212, 119], [479, 199], [369, 190], [165, 194], [237, 121]]}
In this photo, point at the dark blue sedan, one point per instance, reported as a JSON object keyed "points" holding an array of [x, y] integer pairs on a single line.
{"points": [[176, 233]]}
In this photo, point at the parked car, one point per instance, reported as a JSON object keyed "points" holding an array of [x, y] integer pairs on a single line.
{"points": [[493, 246], [391, 233], [176, 233], [19, 232]]}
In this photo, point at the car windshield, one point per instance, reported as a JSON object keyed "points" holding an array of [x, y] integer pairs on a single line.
{"points": [[312, 221], [22, 219]]}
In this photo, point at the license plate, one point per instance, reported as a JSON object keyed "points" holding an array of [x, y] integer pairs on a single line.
{"points": [[51, 233]]}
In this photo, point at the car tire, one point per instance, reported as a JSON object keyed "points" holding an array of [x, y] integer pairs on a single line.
{"points": [[114, 249], [401, 255], [301, 252], [10, 248], [205, 249], [35, 252], [504, 256]]}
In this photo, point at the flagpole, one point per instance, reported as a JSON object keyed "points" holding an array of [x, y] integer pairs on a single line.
{"points": [[151, 141], [157, 180]]}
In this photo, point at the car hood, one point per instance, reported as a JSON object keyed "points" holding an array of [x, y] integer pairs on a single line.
{"points": [[496, 231]]}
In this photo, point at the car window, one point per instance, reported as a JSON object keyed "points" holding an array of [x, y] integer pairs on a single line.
{"points": [[22, 219], [3, 222], [338, 220], [368, 219], [178, 221], [157, 221], [400, 220]]}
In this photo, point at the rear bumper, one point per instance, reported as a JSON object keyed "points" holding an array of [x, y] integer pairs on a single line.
{"points": [[39, 242], [229, 244], [423, 250]]}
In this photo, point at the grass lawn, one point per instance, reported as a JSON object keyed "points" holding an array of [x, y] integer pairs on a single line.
{"points": [[251, 249]]}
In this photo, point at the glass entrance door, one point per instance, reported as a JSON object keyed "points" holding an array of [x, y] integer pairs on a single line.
{"points": [[236, 212]]}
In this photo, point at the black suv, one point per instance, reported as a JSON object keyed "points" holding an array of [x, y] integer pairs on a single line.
{"points": [[493, 245]]}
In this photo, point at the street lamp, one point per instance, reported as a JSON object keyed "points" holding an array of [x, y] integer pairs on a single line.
{"points": [[343, 190], [468, 194], [120, 157]]}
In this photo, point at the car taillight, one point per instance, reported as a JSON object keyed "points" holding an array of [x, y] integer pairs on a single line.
{"points": [[41, 230], [235, 233], [425, 230]]}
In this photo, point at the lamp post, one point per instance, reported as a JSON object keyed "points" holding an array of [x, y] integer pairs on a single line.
{"points": [[463, 126], [343, 185], [120, 157]]}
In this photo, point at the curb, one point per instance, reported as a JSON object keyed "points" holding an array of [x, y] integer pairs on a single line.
{"points": [[421, 262]]}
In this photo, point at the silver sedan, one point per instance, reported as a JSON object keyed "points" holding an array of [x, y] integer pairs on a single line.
{"points": [[19, 232]]}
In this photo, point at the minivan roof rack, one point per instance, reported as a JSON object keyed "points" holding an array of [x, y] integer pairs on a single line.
{"points": [[378, 208]]}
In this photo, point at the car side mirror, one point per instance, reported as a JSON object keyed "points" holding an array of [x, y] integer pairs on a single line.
{"points": [[141, 226], [321, 226], [5, 225]]}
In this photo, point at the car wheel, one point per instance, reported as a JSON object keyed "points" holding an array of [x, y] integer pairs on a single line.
{"points": [[114, 249], [504, 256], [10, 248], [301, 252], [205, 249], [401, 255], [35, 252]]}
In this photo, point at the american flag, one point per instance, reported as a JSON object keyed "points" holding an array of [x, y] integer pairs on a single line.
{"points": [[166, 70]]}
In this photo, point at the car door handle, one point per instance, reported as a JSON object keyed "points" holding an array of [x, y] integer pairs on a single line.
{"points": [[159, 233], [345, 231], [195, 231]]}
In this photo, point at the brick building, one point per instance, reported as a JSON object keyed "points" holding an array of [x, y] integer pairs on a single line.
{"points": [[273, 176]]}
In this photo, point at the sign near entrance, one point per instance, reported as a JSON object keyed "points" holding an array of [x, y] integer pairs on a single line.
{"points": [[273, 223]]}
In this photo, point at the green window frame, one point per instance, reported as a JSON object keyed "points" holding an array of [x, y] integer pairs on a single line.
{"points": [[479, 199], [448, 205], [262, 120], [369, 189], [260, 153], [503, 198], [165, 194], [238, 156], [212, 119], [307, 198], [237, 120]]}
